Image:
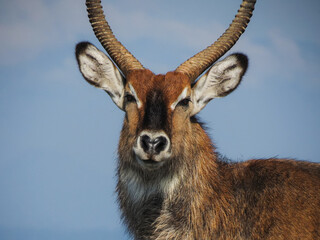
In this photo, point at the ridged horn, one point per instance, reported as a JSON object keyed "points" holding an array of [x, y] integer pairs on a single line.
{"points": [[119, 54], [197, 64]]}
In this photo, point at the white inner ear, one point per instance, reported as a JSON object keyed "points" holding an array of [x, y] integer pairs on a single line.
{"points": [[100, 71], [219, 81]]}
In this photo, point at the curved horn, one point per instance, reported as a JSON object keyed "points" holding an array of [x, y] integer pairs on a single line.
{"points": [[119, 54], [197, 64]]}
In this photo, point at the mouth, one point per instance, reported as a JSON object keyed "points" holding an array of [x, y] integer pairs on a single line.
{"points": [[149, 163]]}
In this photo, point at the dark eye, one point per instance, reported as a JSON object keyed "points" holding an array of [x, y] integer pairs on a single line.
{"points": [[129, 98], [184, 102]]}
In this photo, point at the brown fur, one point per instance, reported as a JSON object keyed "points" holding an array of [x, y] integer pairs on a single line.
{"points": [[210, 198]]}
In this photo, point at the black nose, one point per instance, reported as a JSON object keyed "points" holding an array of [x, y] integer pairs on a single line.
{"points": [[153, 145]]}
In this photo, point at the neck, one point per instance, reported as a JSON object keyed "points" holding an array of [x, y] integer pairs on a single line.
{"points": [[200, 188]]}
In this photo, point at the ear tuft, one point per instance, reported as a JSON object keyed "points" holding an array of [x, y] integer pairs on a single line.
{"points": [[242, 61], [81, 46]]}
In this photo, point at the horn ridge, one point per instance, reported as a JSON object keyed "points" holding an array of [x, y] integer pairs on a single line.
{"points": [[119, 54], [197, 64]]}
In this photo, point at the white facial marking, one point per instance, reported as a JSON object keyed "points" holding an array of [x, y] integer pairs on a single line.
{"points": [[133, 92], [183, 95]]}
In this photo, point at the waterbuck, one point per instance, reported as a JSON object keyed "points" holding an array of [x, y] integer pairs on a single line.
{"points": [[171, 182]]}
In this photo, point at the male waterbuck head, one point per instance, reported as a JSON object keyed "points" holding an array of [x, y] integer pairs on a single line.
{"points": [[171, 182], [159, 108]]}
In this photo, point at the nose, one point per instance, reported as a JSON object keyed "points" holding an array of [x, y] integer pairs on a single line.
{"points": [[153, 145]]}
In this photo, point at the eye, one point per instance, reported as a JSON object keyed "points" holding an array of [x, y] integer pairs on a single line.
{"points": [[184, 102], [129, 98]]}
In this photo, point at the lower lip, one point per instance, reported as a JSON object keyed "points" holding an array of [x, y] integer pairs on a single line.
{"points": [[150, 163]]}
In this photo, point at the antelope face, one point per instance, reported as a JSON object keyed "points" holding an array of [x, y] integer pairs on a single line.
{"points": [[158, 107]]}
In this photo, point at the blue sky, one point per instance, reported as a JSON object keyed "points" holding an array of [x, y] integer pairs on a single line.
{"points": [[58, 135]]}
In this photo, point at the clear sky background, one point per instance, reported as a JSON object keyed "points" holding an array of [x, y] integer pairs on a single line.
{"points": [[58, 134]]}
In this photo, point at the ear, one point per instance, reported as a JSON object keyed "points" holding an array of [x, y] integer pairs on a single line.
{"points": [[100, 71], [219, 81]]}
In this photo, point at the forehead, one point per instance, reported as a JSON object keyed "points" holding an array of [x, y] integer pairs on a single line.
{"points": [[170, 85]]}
